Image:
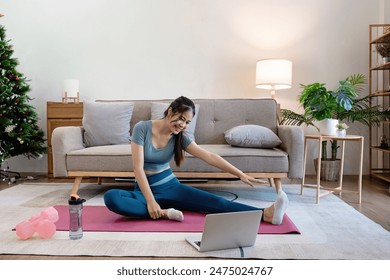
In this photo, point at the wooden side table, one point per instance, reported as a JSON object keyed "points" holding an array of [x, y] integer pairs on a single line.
{"points": [[61, 114], [318, 186]]}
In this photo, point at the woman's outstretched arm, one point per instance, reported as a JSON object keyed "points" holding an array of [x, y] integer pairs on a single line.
{"points": [[217, 161]]}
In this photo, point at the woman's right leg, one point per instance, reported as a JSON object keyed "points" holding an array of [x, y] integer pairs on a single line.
{"points": [[126, 203]]}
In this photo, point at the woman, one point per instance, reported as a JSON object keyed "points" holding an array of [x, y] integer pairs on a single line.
{"points": [[157, 192]]}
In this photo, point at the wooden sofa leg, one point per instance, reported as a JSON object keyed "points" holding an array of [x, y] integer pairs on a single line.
{"points": [[100, 180], [76, 186], [278, 184], [271, 182]]}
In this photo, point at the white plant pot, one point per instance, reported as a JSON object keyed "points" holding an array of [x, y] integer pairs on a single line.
{"points": [[341, 132], [327, 126]]}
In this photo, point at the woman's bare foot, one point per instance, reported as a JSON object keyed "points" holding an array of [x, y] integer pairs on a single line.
{"points": [[173, 214], [275, 213]]}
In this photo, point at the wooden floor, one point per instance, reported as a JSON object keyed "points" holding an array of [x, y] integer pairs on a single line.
{"points": [[375, 199], [375, 205]]}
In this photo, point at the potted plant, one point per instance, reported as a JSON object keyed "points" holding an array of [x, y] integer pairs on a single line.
{"points": [[342, 104], [330, 167], [319, 103], [356, 109], [384, 50], [341, 129], [321, 106]]}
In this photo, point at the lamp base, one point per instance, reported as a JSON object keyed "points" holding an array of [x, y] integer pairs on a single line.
{"points": [[67, 99]]}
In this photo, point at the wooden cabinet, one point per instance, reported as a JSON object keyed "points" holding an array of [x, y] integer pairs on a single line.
{"points": [[379, 91], [61, 114]]}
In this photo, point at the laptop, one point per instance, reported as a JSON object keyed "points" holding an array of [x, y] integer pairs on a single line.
{"points": [[227, 231]]}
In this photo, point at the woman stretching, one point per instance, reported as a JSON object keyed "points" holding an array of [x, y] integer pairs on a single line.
{"points": [[157, 192]]}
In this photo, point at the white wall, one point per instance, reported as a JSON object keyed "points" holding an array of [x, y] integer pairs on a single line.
{"points": [[148, 49]]}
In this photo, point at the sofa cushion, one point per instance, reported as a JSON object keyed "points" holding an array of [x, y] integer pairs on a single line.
{"points": [[247, 160], [107, 123], [158, 109], [252, 136], [114, 158]]}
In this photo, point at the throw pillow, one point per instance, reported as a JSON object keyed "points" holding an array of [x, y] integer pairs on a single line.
{"points": [[158, 109], [252, 136], [107, 123]]}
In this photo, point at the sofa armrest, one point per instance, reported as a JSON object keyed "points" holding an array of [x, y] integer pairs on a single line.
{"points": [[293, 144], [64, 140]]}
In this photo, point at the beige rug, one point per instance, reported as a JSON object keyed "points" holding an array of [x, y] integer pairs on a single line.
{"points": [[330, 230]]}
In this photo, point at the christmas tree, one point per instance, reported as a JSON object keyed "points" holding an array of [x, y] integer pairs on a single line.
{"points": [[19, 131]]}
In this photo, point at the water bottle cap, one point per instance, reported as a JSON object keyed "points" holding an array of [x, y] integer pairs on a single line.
{"points": [[73, 200]]}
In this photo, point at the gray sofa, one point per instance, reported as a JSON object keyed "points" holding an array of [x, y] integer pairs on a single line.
{"points": [[71, 157]]}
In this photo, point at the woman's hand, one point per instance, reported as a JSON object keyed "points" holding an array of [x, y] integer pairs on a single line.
{"points": [[250, 180], [154, 210]]}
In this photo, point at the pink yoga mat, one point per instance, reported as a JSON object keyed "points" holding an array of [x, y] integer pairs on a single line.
{"points": [[99, 218]]}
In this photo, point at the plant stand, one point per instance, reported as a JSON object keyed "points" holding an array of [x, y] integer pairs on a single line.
{"points": [[339, 189]]}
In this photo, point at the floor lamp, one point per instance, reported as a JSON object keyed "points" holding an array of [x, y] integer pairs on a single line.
{"points": [[274, 74]]}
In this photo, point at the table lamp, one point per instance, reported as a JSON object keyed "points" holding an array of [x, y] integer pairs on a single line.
{"points": [[71, 91], [273, 74]]}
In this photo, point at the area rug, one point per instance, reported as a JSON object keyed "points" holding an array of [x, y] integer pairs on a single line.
{"points": [[99, 218], [329, 230]]}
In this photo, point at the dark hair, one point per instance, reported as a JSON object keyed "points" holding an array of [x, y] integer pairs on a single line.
{"points": [[179, 106]]}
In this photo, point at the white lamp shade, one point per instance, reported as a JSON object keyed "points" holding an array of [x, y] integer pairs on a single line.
{"points": [[273, 74], [71, 87]]}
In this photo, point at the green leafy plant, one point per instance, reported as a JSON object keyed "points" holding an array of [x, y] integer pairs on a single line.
{"points": [[342, 104], [345, 105], [319, 103], [342, 126]]}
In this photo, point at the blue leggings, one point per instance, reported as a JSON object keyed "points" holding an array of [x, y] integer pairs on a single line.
{"points": [[169, 193]]}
